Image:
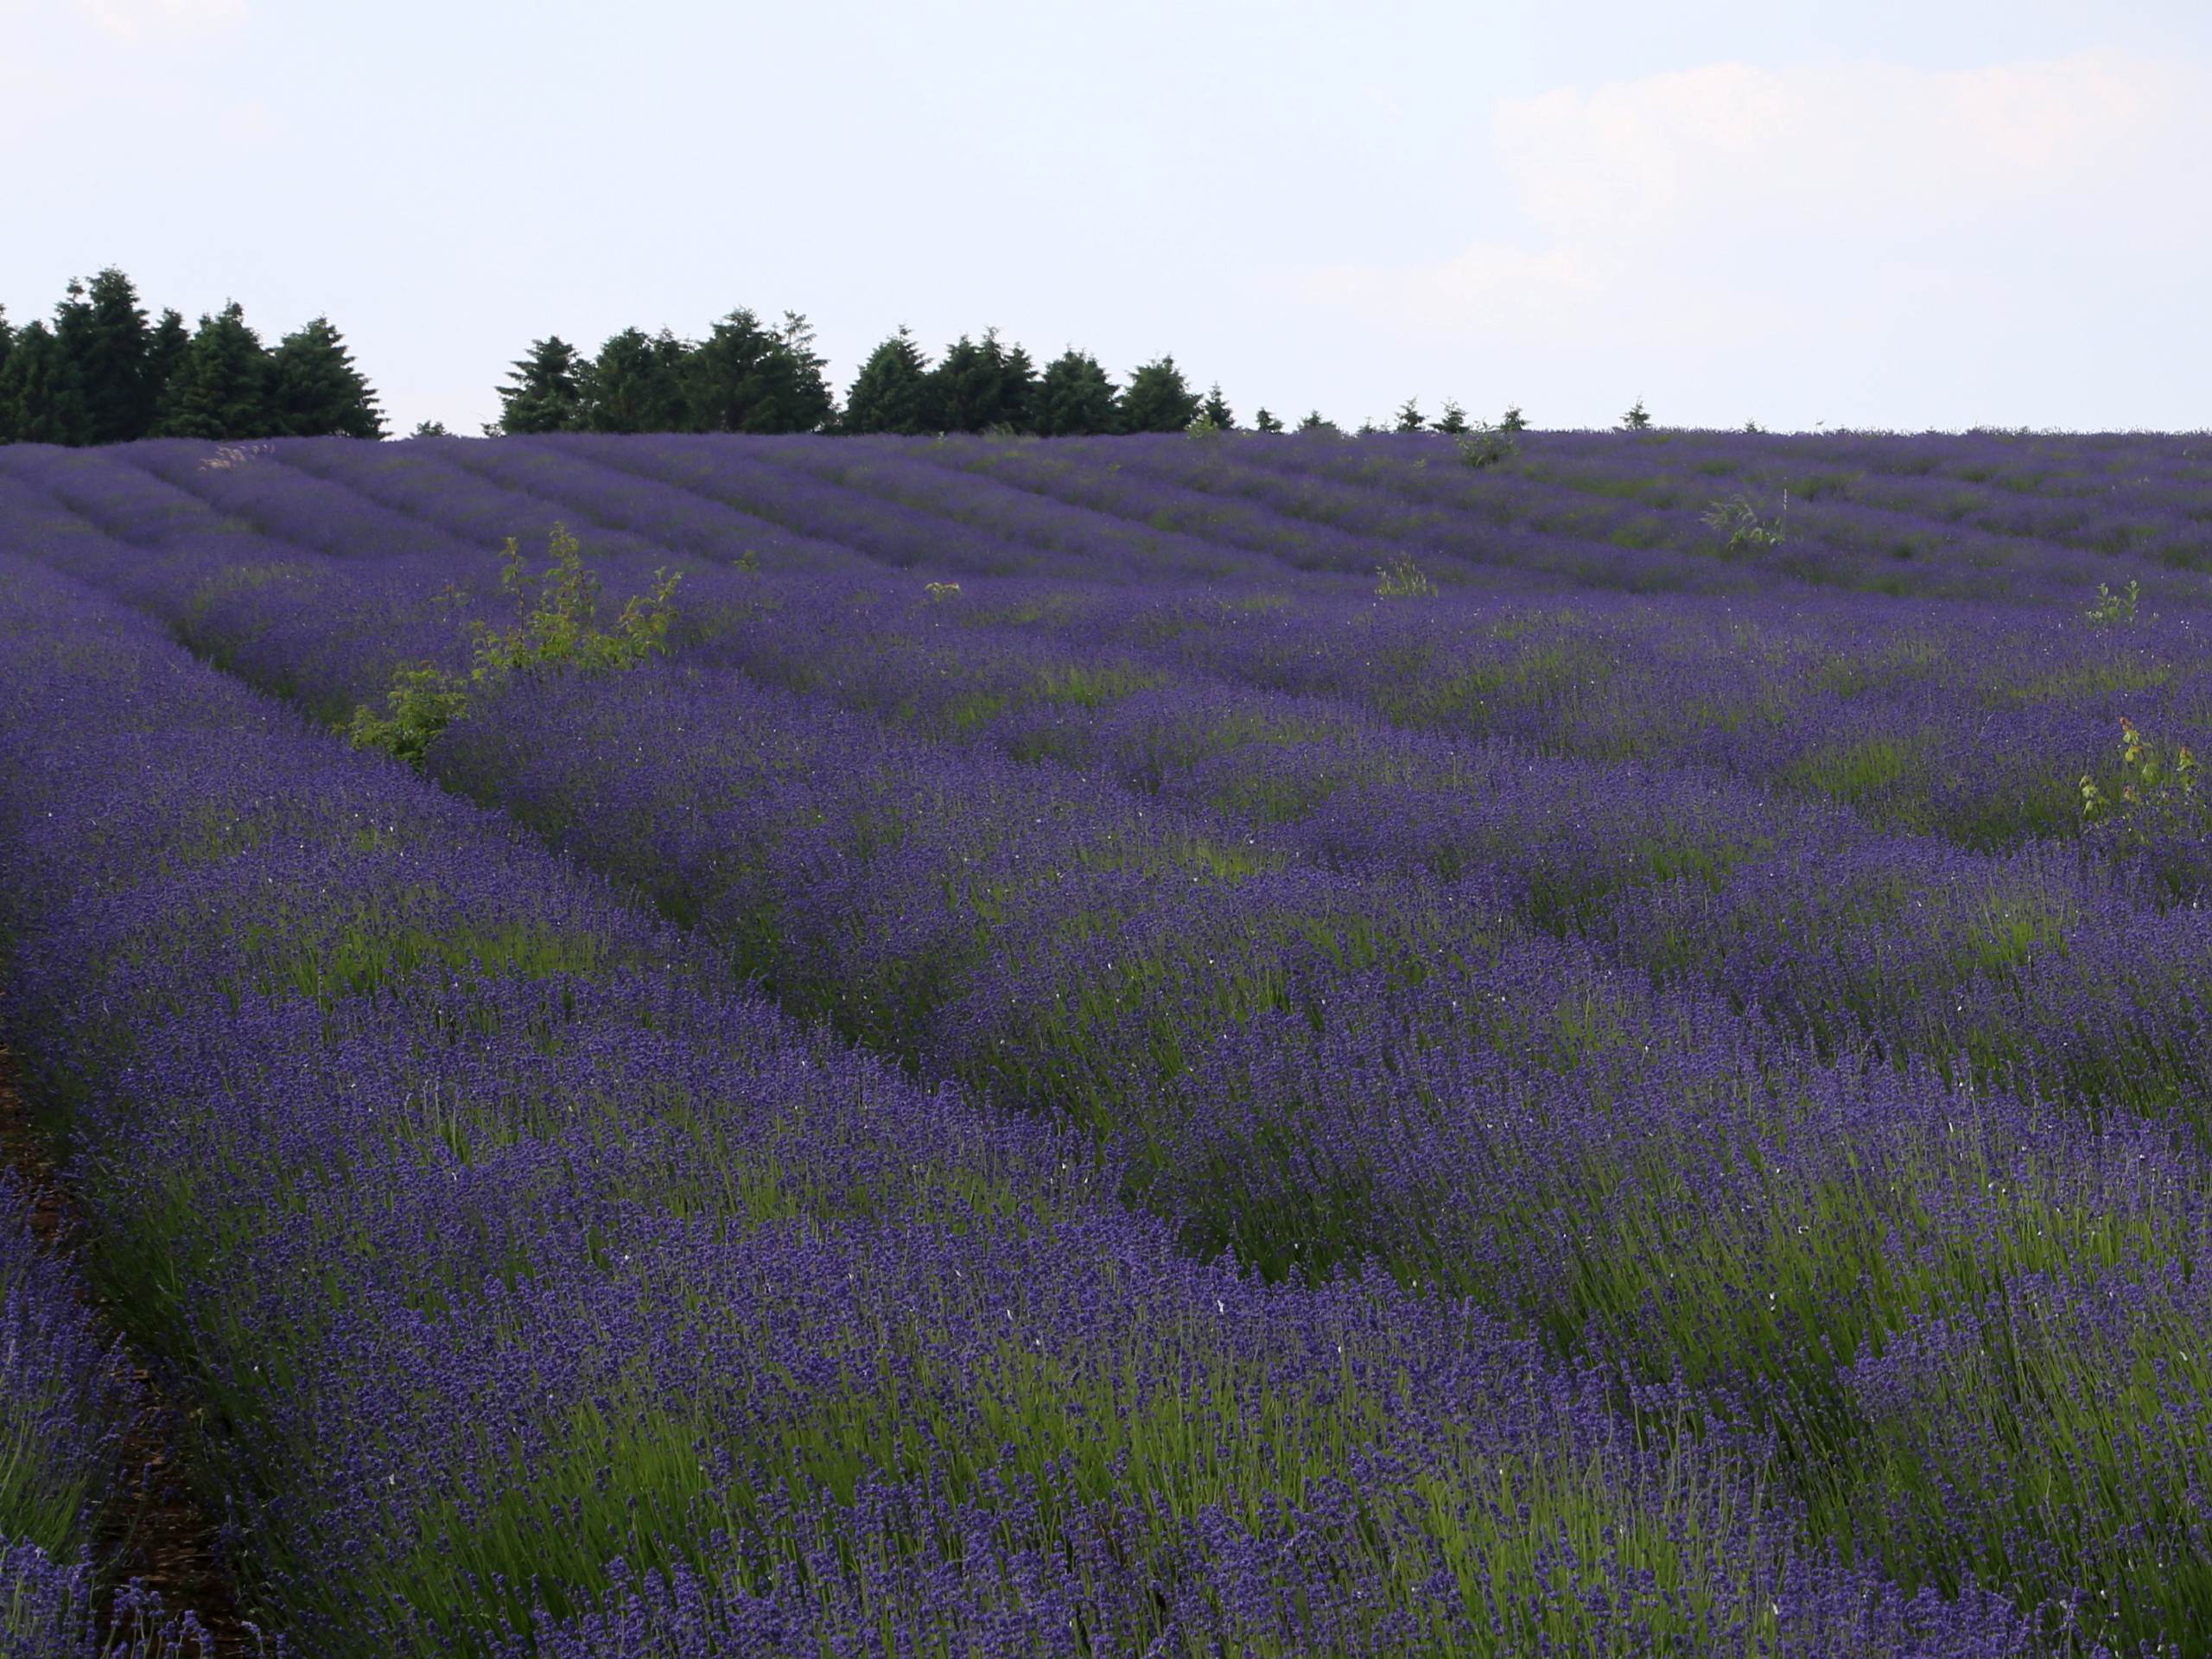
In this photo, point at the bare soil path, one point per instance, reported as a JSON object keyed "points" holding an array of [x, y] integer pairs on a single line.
{"points": [[159, 1532]]}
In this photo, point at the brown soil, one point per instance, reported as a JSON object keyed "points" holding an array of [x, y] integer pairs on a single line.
{"points": [[163, 1536]]}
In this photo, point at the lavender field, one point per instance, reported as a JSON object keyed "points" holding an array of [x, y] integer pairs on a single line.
{"points": [[1159, 1045]]}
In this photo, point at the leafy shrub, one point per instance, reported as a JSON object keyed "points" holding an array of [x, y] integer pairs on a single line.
{"points": [[1737, 520], [1403, 579], [1483, 445], [2158, 797], [557, 626], [2114, 610]]}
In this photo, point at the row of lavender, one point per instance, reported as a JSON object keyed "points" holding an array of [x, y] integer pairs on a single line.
{"points": [[67, 1401], [700, 772], [541, 1295]]}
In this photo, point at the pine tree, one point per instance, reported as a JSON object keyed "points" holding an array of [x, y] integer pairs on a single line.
{"points": [[1636, 420], [7, 345], [1264, 421], [102, 331], [1157, 399], [40, 400], [165, 351], [745, 377], [1072, 398], [314, 390], [429, 429], [980, 383], [1216, 409], [1316, 422], [543, 393], [635, 384], [220, 389], [1513, 422], [1410, 419], [891, 392], [1452, 422]]}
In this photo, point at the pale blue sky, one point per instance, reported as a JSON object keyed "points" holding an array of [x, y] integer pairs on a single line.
{"points": [[1870, 213]]}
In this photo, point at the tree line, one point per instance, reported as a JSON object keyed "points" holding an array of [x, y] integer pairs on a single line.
{"points": [[101, 372], [750, 376]]}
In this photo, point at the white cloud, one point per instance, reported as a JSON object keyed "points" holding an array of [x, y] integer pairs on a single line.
{"points": [[1836, 207], [151, 20]]}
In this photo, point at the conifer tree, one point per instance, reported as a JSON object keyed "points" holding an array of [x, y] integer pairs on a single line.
{"points": [[1157, 399], [979, 383], [165, 350], [102, 331], [1216, 409], [1636, 420], [314, 390], [1452, 422], [890, 394], [1410, 419], [40, 400], [429, 429], [636, 384], [746, 377], [220, 389], [1263, 422], [1513, 422], [7, 344], [1072, 398], [1316, 422], [543, 393]]}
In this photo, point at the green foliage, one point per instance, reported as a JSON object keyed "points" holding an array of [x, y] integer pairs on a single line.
{"points": [[2158, 795], [1637, 419], [1403, 579], [1316, 422], [746, 377], [1483, 445], [1073, 398], [890, 394], [557, 627], [1738, 523], [1264, 421], [635, 384], [429, 429], [316, 392], [1217, 410], [1512, 421], [941, 591], [979, 384], [40, 401], [542, 394], [1452, 422], [2114, 610], [1157, 399], [1410, 419], [221, 387], [102, 330]]}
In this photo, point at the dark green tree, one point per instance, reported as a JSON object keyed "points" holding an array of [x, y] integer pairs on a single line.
{"points": [[429, 429], [165, 351], [636, 384], [1317, 422], [315, 390], [1157, 399], [1513, 422], [7, 344], [1217, 409], [40, 400], [543, 393], [979, 383], [102, 331], [1410, 419], [221, 387], [1073, 398], [745, 377], [891, 392], [1452, 422], [1263, 422], [1636, 420]]}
